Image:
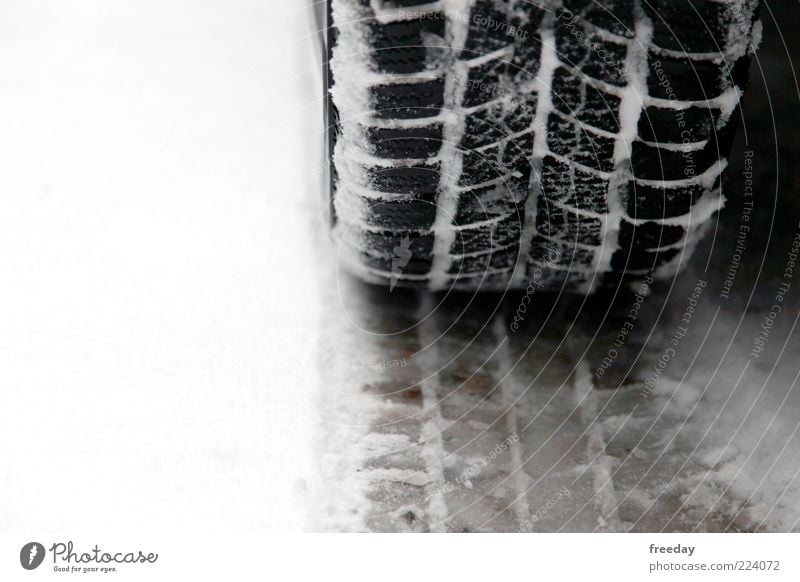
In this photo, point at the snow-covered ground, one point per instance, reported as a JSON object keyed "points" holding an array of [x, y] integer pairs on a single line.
{"points": [[158, 299], [177, 342]]}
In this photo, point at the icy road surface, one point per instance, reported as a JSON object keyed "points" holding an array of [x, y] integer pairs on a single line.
{"points": [[178, 342]]}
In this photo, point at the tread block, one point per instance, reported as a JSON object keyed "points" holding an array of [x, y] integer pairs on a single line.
{"points": [[615, 16], [552, 252], [518, 113], [483, 127], [486, 203], [573, 187], [690, 25], [685, 79], [492, 123], [650, 163], [587, 52], [481, 166], [559, 223], [663, 125], [486, 237], [404, 179], [405, 143], [525, 63], [402, 214], [497, 259], [484, 36], [657, 203], [569, 140], [484, 82], [391, 243], [416, 265], [408, 100], [517, 153], [571, 96], [399, 47], [519, 181]]}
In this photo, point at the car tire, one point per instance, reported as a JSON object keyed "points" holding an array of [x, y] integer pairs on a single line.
{"points": [[492, 144]]}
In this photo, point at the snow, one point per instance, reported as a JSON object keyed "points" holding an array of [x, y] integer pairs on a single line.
{"points": [[452, 161], [548, 63], [159, 301], [746, 418]]}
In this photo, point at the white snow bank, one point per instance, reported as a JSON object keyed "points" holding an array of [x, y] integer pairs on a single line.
{"points": [[158, 307]]}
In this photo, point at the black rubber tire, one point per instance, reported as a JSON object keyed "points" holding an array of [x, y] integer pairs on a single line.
{"points": [[493, 144]]}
